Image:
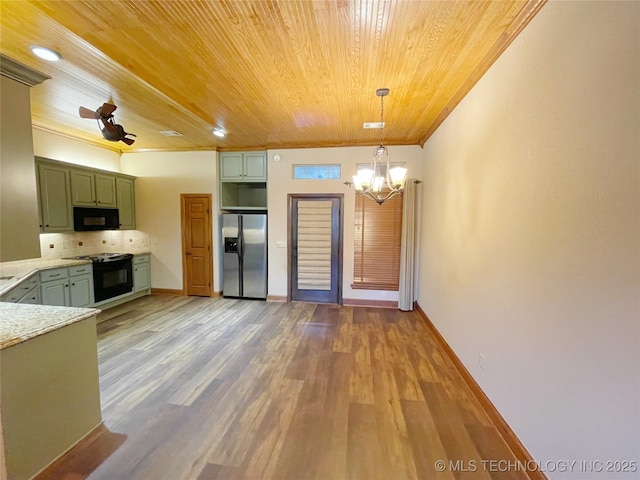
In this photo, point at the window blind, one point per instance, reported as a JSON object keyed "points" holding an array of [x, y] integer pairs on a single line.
{"points": [[314, 245], [378, 231]]}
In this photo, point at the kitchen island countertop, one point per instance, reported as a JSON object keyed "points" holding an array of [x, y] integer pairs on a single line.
{"points": [[21, 322]]}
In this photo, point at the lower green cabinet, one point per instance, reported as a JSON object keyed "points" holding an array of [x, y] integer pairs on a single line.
{"points": [[141, 273], [69, 287]]}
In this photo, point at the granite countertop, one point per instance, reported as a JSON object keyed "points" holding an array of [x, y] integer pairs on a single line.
{"points": [[21, 322], [12, 273]]}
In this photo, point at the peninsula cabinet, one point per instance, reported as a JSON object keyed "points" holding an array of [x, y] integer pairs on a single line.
{"points": [[54, 191], [67, 287], [26, 291], [89, 189], [243, 166], [54, 288]]}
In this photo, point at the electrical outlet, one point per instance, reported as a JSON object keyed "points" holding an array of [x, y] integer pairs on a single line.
{"points": [[51, 245], [79, 244], [482, 360]]}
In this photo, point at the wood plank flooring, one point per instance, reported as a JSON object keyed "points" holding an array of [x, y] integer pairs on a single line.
{"points": [[213, 388]]}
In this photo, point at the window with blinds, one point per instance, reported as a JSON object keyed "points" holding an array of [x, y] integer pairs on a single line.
{"points": [[378, 230]]}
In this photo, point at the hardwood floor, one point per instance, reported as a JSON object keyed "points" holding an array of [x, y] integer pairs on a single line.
{"points": [[215, 388]]}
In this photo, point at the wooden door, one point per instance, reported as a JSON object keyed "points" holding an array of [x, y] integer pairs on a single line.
{"points": [[315, 248], [197, 258]]}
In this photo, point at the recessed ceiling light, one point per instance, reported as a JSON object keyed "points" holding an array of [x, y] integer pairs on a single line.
{"points": [[46, 54], [218, 132]]}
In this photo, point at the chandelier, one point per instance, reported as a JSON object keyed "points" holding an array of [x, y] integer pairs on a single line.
{"points": [[380, 182]]}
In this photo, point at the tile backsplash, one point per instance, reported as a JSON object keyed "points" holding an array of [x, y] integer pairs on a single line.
{"points": [[63, 245]]}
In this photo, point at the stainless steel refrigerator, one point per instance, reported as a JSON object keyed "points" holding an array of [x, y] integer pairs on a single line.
{"points": [[244, 237]]}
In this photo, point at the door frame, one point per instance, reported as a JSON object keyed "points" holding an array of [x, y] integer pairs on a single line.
{"points": [[184, 196], [315, 196]]}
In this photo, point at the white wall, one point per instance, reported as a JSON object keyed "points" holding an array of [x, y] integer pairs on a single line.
{"points": [[281, 184], [56, 147], [531, 234], [162, 177], [19, 199]]}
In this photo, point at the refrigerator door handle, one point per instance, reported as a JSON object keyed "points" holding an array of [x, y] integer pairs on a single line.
{"points": [[240, 237], [241, 253]]}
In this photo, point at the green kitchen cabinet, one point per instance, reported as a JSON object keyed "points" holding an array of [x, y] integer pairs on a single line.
{"points": [[243, 166], [67, 287], [81, 286], [141, 273], [61, 186], [90, 189], [54, 191], [243, 180], [55, 292], [125, 197]]}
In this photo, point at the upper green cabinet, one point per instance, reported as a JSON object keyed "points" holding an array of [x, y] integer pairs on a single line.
{"points": [[62, 186], [243, 166], [54, 189], [125, 197], [89, 189]]}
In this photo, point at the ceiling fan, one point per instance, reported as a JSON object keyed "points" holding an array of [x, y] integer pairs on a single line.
{"points": [[111, 131]]}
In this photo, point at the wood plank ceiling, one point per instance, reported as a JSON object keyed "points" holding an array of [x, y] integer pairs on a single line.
{"points": [[273, 74]]}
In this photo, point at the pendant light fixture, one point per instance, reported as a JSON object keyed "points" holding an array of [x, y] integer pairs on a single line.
{"points": [[380, 182]]}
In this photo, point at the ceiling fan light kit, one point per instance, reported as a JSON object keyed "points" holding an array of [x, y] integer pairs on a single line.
{"points": [[370, 182], [219, 132]]}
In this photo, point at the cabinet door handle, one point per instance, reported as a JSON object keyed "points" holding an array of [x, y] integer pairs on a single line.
{"points": [[56, 275], [80, 271], [73, 284]]}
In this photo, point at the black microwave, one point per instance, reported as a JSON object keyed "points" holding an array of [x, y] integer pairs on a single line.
{"points": [[88, 219]]}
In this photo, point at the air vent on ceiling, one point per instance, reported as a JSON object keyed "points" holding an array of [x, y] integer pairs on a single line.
{"points": [[170, 133], [373, 125]]}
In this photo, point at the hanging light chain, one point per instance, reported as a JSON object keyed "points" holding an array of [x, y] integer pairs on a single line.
{"points": [[381, 118]]}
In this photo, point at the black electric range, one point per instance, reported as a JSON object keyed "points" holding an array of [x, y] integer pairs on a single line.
{"points": [[112, 274], [104, 257]]}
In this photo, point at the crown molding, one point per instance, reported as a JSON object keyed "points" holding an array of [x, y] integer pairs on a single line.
{"points": [[21, 73]]}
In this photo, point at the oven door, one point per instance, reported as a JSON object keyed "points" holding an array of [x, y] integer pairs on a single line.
{"points": [[111, 279]]}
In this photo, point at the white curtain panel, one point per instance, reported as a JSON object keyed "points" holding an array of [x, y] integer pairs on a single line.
{"points": [[408, 247]]}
